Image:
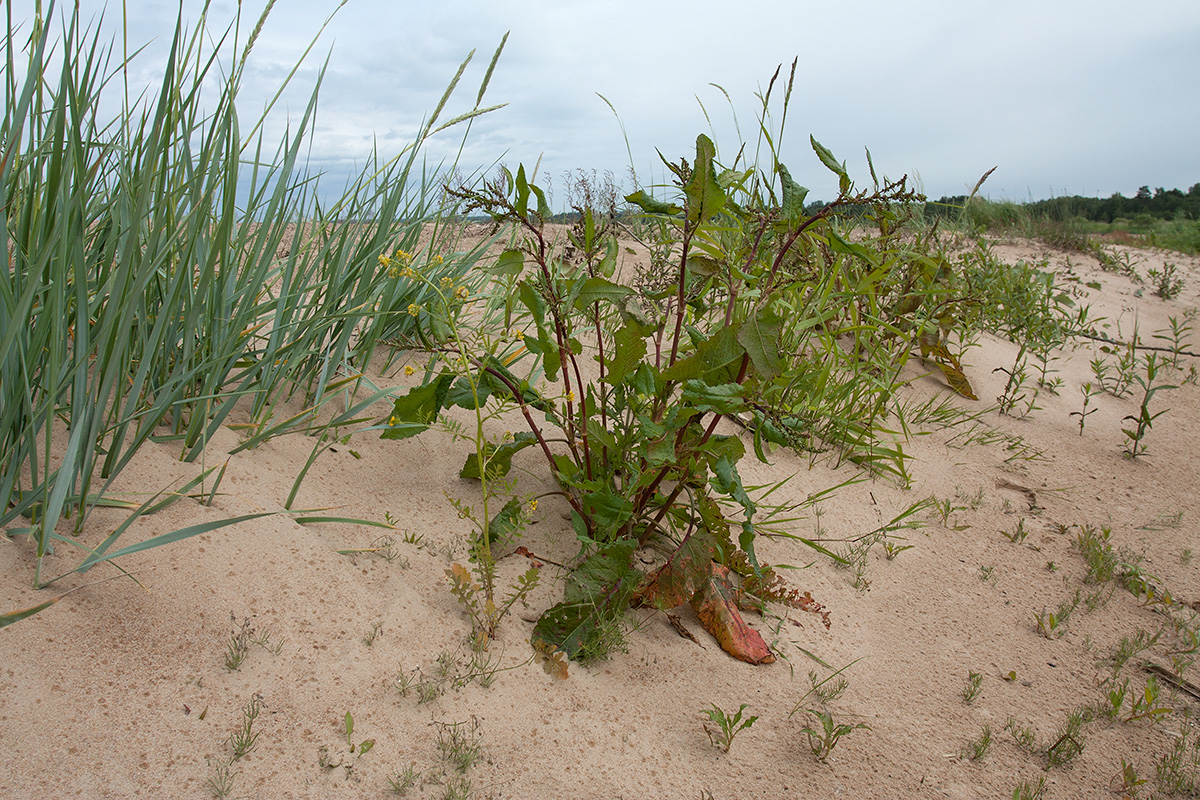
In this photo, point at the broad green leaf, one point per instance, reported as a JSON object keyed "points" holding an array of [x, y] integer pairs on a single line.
{"points": [[506, 522], [720, 350], [628, 350], [498, 457], [725, 398], [595, 289], [415, 411], [793, 197], [759, 335], [705, 197], [510, 262]]}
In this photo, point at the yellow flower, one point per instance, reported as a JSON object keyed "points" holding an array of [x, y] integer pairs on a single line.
{"points": [[436, 260], [384, 261], [447, 281], [408, 370], [407, 272], [413, 309], [570, 397], [461, 293], [533, 505], [404, 257]]}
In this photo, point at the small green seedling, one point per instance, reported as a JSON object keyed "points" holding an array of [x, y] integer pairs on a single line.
{"points": [[978, 747], [822, 741], [724, 727], [972, 687], [1083, 415]]}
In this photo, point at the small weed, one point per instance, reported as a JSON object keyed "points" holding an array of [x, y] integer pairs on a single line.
{"points": [[987, 573], [1052, 624], [1069, 742], [220, 783], [405, 779], [1030, 789], [244, 634], [1146, 706], [1178, 771], [460, 743], [1185, 557], [1127, 781], [827, 693], [1127, 648], [1018, 535], [890, 550], [1083, 415], [1114, 699], [822, 741], [243, 740], [1022, 734], [1167, 282], [373, 634], [724, 726], [978, 747], [458, 787], [972, 687], [1143, 420]]}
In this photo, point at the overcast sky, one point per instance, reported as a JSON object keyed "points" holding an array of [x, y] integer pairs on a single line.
{"points": [[1063, 96]]}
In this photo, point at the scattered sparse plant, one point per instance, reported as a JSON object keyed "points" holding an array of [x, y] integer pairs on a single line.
{"points": [[1086, 388], [972, 687], [1167, 282], [822, 740], [1143, 420], [978, 747], [722, 728], [460, 743]]}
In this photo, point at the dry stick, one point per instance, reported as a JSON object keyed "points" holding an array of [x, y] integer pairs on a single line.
{"points": [[1171, 350]]}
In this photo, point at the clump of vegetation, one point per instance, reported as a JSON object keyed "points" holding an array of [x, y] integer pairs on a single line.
{"points": [[746, 292]]}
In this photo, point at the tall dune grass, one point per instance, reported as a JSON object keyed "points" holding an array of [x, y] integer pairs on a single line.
{"points": [[143, 295]]}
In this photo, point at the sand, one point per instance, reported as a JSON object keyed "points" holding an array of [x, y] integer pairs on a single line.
{"points": [[121, 690]]}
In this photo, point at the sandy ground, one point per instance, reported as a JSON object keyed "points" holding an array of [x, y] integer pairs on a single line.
{"points": [[123, 691]]}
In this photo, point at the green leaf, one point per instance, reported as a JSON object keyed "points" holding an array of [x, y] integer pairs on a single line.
{"points": [[595, 289], [510, 262], [597, 594], [725, 398], [414, 412], [498, 457], [827, 158], [629, 349], [793, 196], [720, 350], [651, 206], [705, 197], [9, 617], [760, 336], [506, 522]]}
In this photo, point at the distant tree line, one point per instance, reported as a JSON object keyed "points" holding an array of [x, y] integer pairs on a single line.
{"points": [[1158, 204]]}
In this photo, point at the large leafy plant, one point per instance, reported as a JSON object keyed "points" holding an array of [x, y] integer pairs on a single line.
{"points": [[637, 373]]}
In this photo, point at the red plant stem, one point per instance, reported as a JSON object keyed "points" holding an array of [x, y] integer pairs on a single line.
{"points": [[682, 296]]}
